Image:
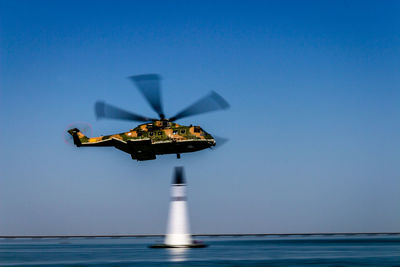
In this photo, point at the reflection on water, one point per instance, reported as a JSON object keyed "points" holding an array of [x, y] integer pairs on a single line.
{"points": [[178, 254], [225, 251]]}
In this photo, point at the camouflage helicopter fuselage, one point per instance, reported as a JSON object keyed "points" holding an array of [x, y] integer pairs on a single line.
{"points": [[150, 139]]}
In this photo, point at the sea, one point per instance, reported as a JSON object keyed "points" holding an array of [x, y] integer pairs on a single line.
{"points": [[221, 251]]}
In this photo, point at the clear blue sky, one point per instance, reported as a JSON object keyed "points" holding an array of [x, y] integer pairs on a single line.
{"points": [[314, 125]]}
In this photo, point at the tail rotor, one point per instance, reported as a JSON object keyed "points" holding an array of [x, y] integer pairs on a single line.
{"points": [[83, 127]]}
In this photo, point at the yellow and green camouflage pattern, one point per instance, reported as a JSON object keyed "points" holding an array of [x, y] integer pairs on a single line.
{"points": [[156, 131]]}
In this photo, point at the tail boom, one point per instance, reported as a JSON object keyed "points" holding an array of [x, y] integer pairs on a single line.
{"points": [[82, 140]]}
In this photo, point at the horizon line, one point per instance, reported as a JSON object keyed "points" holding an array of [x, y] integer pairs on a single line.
{"points": [[209, 235]]}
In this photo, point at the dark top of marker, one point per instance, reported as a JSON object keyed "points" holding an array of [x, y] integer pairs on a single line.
{"points": [[179, 177]]}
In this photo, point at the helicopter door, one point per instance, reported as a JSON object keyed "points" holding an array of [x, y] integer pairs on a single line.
{"points": [[141, 150]]}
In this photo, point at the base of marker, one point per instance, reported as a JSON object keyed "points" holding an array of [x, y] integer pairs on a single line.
{"points": [[194, 245]]}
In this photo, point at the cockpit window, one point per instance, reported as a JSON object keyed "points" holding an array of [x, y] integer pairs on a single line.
{"points": [[196, 129]]}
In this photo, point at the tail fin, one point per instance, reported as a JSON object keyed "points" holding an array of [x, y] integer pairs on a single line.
{"points": [[78, 136]]}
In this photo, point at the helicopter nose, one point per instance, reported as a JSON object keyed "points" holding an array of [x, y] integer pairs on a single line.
{"points": [[212, 142]]}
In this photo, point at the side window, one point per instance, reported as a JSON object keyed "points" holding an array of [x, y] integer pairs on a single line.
{"points": [[174, 132], [139, 134], [183, 131], [151, 133], [196, 129], [160, 133]]}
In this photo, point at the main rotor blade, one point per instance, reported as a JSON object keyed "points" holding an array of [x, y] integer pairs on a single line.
{"points": [[107, 111], [149, 86], [209, 103]]}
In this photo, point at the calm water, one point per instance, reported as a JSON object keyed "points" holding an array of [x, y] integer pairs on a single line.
{"points": [[274, 251]]}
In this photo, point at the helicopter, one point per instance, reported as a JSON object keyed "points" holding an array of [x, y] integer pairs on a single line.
{"points": [[156, 136]]}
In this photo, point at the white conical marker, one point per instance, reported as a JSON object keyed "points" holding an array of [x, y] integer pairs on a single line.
{"points": [[178, 230]]}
